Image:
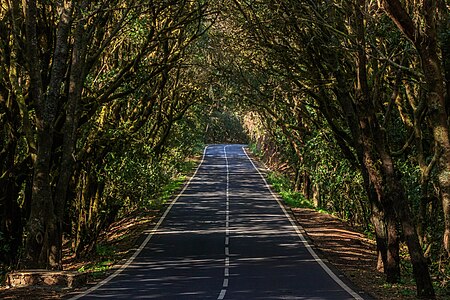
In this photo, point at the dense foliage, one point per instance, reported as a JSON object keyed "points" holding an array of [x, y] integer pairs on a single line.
{"points": [[348, 99], [102, 101], [100, 104]]}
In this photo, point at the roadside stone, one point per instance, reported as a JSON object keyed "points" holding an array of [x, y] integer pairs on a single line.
{"points": [[23, 278]]}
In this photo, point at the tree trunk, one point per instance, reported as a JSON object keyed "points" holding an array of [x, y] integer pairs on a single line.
{"points": [[438, 119], [42, 219], [377, 219], [426, 44], [316, 197], [70, 126], [372, 142], [83, 198], [35, 227], [390, 190], [402, 209], [377, 215], [306, 185], [41, 249], [383, 217]]}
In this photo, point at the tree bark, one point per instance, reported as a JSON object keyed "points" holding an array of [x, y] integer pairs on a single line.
{"points": [[41, 249], [426, 44], [70, 125], [371, 143], [35, 227], [377, 216]]}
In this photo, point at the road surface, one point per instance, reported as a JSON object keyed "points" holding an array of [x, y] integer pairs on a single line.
{"points": [[226, 236]]}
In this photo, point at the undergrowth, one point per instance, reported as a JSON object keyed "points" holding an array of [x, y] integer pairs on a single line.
{"points": [[106, 255], [282, 186]]}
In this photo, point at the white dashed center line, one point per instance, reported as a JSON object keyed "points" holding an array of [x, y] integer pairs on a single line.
{"points": [[227, 232]]}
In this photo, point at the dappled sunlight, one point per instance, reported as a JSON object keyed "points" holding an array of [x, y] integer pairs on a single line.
{"points": [[225, 234], [338, 241]]}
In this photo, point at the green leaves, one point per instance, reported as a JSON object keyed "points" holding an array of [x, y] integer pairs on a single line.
{"points": [[283, 186]]}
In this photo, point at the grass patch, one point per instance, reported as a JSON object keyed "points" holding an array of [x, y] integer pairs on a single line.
{"points": [[170, 188], [106, 258], [97, 269], [176, 183], [282, 185], [188, 166], [254, 149]]}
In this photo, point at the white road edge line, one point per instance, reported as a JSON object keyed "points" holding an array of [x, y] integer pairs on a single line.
{"points": [[147, 239], [302, 238]]}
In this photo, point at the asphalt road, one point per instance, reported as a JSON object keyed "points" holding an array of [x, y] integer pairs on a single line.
{"points": [[225, 237]]}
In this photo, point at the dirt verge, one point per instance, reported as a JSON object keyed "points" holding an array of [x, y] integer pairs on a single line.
{"points": [[351, 252]]}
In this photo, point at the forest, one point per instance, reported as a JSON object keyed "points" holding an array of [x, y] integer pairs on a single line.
{"points": [[101, 102]]}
